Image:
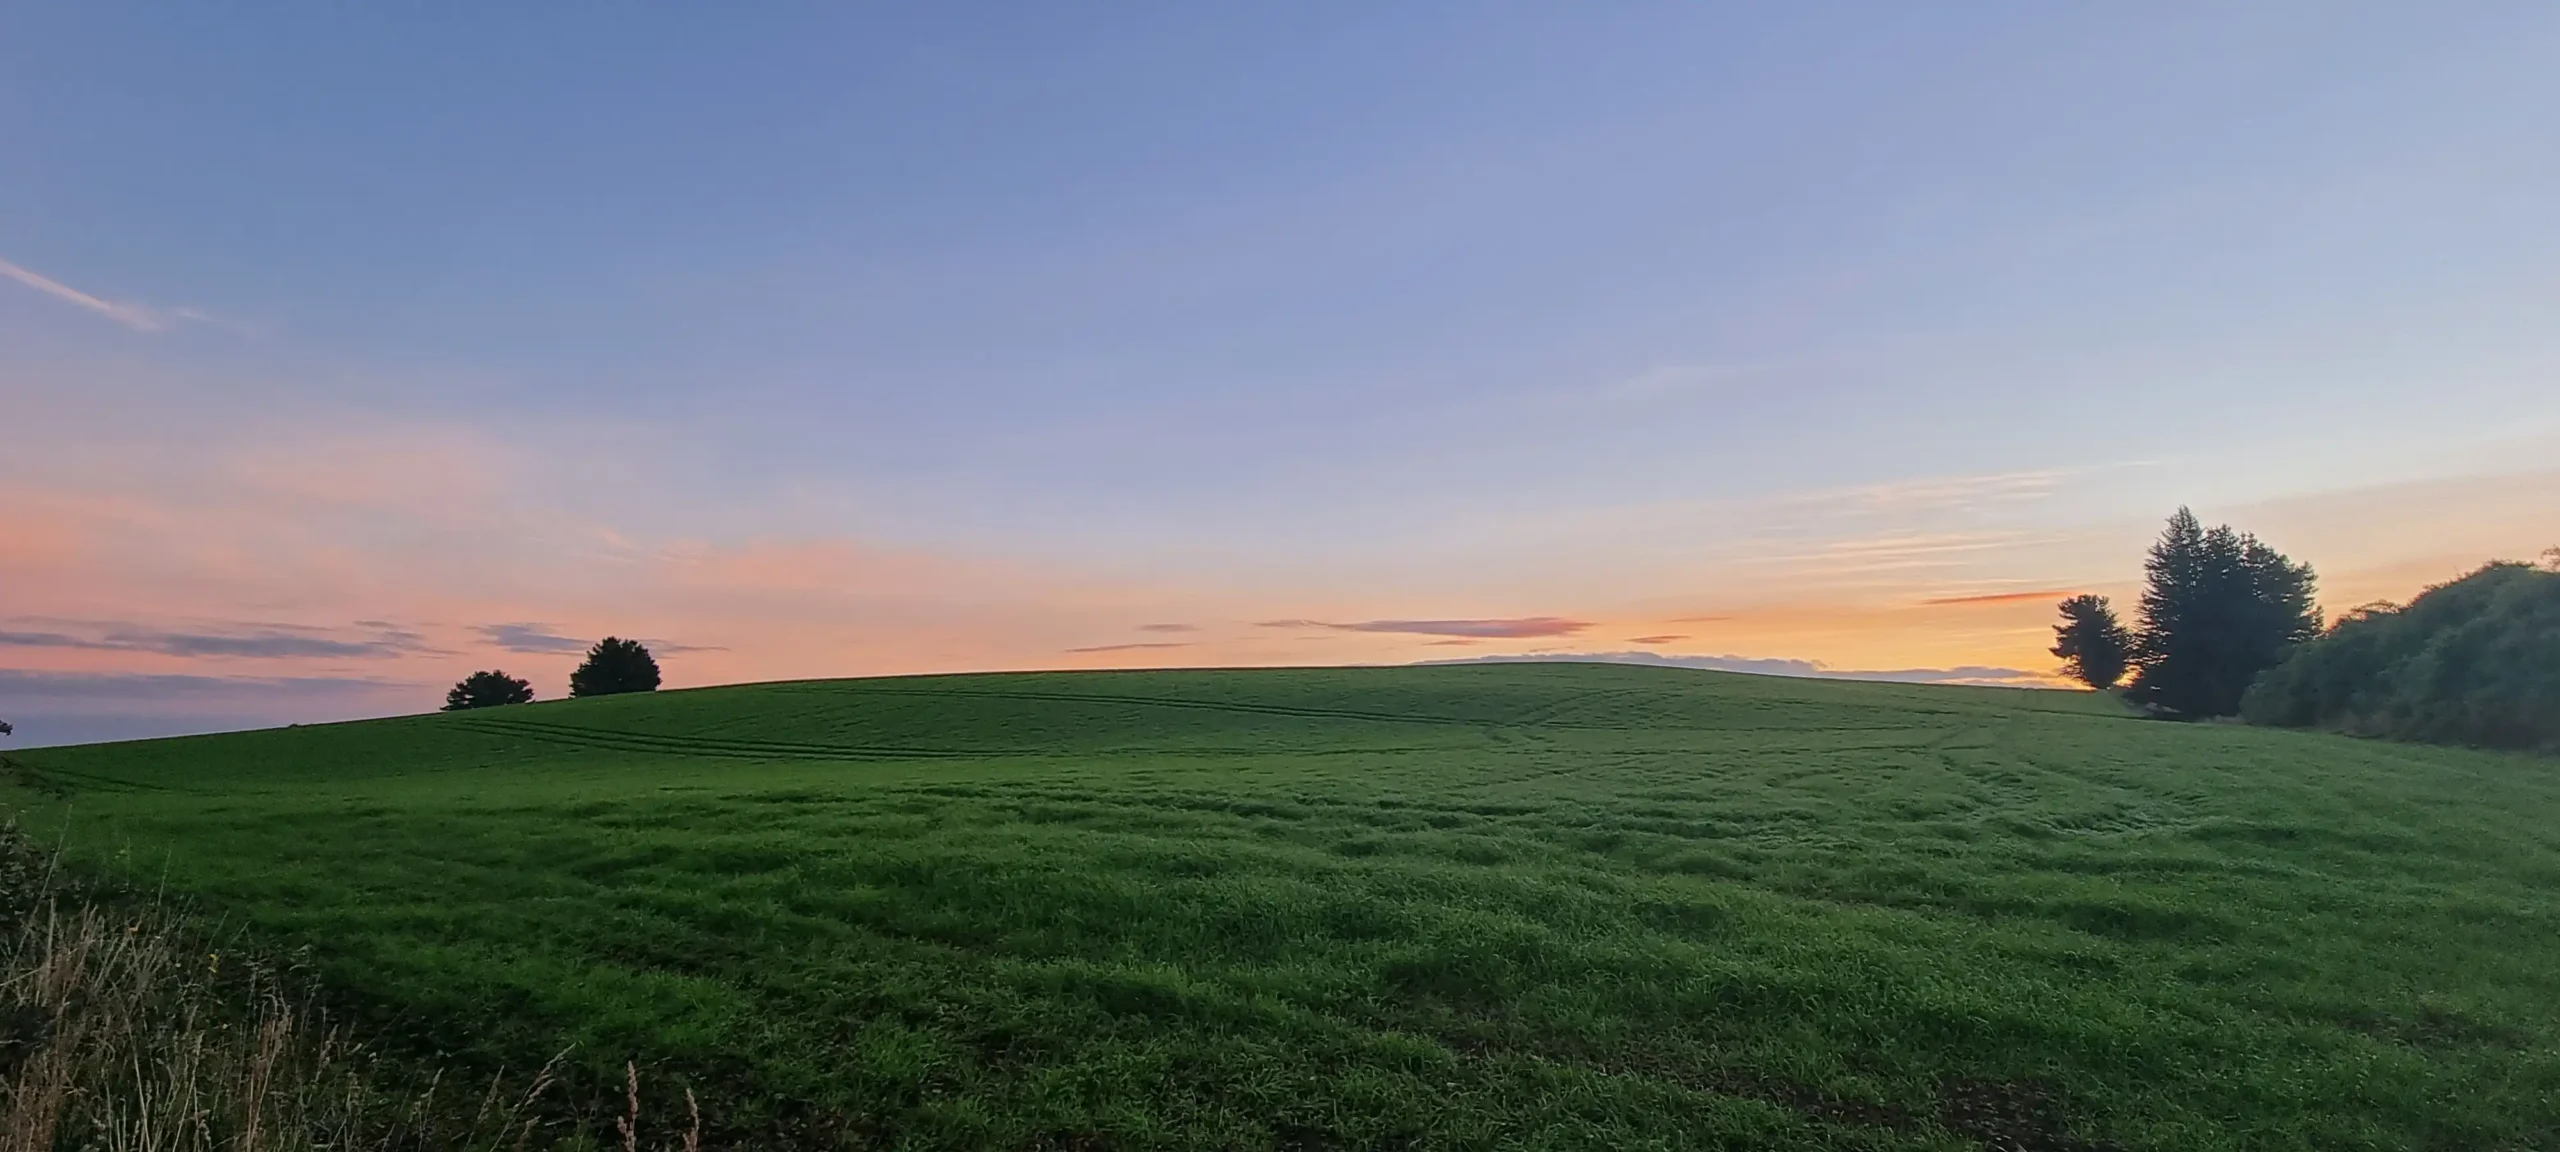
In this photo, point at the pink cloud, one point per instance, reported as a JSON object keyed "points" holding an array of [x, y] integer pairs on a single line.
{"points": [[1512, 628], [134, 316]]}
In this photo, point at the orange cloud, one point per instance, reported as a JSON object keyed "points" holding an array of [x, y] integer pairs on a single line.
{"points": [[2002, 597]]}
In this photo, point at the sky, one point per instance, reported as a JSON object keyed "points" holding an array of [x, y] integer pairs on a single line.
{"points": [[346, 349]]}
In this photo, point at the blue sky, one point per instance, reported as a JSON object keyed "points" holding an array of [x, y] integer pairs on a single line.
{"points": [[838, 340]]}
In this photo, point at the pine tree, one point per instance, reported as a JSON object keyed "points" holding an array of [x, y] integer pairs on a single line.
{"points": [[614, 666], [2094, 646], [2219, 608]]}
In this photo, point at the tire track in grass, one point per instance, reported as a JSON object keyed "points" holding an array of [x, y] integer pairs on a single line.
{"points": [[739, 749], [1240, 707], [49, 779], [623, 741], [1308, 713]]}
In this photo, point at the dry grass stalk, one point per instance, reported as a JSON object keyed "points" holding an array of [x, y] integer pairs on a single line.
{"points": [[119, 1034]]}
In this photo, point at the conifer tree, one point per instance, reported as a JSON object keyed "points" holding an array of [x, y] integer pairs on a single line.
{"points": [[2219, 607], [2094, 646]]}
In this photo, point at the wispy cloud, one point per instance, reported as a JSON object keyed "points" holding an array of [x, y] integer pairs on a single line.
{"points": [[1665, 638], [133, 686], [134, 316], [1898, 552], [1513, 628], [254, 641], [2001, 597], [81, 707], [1970, 674], [537, 639], [1945, 492], [1168, 628], [1132, 647]]}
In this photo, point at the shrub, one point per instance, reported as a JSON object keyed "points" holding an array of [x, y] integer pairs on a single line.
{"points": [[2475, 661], [487, 690], [614, 666]]}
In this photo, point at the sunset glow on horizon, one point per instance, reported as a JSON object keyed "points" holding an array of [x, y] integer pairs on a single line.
{"points": [[1774, 341]]}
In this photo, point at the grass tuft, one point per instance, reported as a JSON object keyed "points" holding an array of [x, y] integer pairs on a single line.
{"points": [[122, 1029]]}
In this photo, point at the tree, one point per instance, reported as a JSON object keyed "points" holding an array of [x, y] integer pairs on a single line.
{"points": [[615, 665], [5, 729], [2475, 661], [2219, 608], [2094, 646], [487, 690]]}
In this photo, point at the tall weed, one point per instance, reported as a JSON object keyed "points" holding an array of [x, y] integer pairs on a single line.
{"points": [[123, 1030]]}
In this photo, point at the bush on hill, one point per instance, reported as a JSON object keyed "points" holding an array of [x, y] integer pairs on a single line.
{"points": [[2476, 662], [487, 689], [614, 666]]}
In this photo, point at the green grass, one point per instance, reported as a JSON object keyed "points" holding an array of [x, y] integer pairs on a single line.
{"points": [[1504, 905]]}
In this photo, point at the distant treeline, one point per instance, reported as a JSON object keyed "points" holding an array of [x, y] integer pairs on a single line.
{"points": [[2476, 661], [2228, 626]]}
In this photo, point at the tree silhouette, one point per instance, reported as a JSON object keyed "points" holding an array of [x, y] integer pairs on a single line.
{"points": [[2219, 608], [2475, 661], [2094, 646], [487, 690], [614, 666]]}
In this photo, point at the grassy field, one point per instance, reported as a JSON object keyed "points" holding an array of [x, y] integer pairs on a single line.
{"points": [[1460, 907]]}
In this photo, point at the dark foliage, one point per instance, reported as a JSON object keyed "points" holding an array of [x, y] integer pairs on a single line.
{"points": [[5, 729], [615, 665], [2094, 646], [487, 690], [2219, 608], [2476, 661]]}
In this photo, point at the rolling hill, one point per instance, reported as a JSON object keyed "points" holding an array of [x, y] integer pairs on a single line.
{"points": [[1520, 905]]}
